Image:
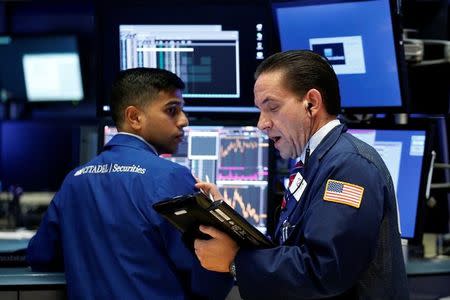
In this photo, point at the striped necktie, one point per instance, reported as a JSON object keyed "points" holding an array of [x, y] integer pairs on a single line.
{"points": [[293, 172]]}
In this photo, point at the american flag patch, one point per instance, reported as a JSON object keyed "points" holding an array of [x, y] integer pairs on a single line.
{"points": [[343, 192]]}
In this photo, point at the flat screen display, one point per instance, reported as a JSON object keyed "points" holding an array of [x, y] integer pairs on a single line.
{"points": [[406, 155], [214, 49], [358, 38], [40, 68], [53, 77], [37, 155], [236, 158], [199, 55]]}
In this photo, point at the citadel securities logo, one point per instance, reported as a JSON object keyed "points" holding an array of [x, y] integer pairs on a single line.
{"points": [[110, 168]]}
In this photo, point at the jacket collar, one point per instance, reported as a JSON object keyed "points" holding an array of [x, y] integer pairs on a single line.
{"points": [[130, 140]]}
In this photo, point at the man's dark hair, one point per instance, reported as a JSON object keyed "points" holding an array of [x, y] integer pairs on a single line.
{"points": [[305, 70], [139, 87]]}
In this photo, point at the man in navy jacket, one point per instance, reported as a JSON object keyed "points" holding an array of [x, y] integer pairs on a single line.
{"points": [[101, 229], [338, 230]]}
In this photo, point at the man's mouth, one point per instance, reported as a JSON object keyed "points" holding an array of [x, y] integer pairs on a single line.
{"points": [[275, 139], [180, 137]]}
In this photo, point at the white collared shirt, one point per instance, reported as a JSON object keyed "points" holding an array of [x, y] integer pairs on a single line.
{"points": [[317, 137]]}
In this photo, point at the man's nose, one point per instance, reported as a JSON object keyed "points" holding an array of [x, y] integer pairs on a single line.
{"points": [[183, 121], [263, 123]]}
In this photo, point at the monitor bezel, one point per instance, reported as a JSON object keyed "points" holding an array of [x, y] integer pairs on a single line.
{"points": [[398, 46], [109, 22], [82, 65]]}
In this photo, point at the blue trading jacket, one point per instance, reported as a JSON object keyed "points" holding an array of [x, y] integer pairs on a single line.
{"points": [[333, 249], [101, 230]]}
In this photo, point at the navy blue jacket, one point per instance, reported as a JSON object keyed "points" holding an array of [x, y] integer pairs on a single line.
{"points": [[333, 249], [101, 230]]}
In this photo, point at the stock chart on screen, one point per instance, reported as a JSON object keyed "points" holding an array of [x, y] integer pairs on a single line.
{"points": [[235, 158]]}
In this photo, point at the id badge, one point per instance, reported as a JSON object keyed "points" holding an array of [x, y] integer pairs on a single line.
{"points": [[298, 186]]}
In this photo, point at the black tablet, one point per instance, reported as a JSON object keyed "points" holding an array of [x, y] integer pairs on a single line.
{"points": [[188, 212]]}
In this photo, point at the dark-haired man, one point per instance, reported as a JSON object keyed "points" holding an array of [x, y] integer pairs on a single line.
{"points": [[101, 229], [337, 234]]}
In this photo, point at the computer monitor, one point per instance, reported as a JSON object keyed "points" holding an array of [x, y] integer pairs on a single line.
{"points": [[215, 48], [37, 155], [360, 39], [406, 151], [42, 68], [236, 158], [199, 54]]}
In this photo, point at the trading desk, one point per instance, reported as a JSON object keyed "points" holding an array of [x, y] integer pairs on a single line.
{"points": [[428, 279], [20, 283], [23, 284]]}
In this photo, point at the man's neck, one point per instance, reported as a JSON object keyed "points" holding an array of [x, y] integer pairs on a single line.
{"points": [[140, 138]]}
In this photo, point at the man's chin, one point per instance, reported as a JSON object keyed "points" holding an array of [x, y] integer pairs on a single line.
{"points": [[171, 151], [166, 150], [284, 155]]}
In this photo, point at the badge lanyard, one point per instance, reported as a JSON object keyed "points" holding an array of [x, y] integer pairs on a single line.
{"points": [[286, 226]]}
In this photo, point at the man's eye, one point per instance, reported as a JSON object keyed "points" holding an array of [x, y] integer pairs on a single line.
{"points": [[172, 110], [273, 108]]}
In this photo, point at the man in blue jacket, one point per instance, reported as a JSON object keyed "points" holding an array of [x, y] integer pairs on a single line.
{"points": [[101, 229], [338, 229]]}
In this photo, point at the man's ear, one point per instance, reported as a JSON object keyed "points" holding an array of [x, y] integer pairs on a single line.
{"points": [[133, 117], [313, 101]]}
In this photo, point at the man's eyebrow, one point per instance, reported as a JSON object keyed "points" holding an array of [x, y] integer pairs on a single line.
{"points": [[175, 102], [267, 100], [263, 103]]}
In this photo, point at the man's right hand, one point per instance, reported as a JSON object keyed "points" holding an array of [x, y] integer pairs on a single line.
{"points": [[209, 189], [217, 253]]}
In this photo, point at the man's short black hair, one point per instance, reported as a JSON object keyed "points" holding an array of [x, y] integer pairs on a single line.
{"points": [[305, 70], [138, 87]]}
